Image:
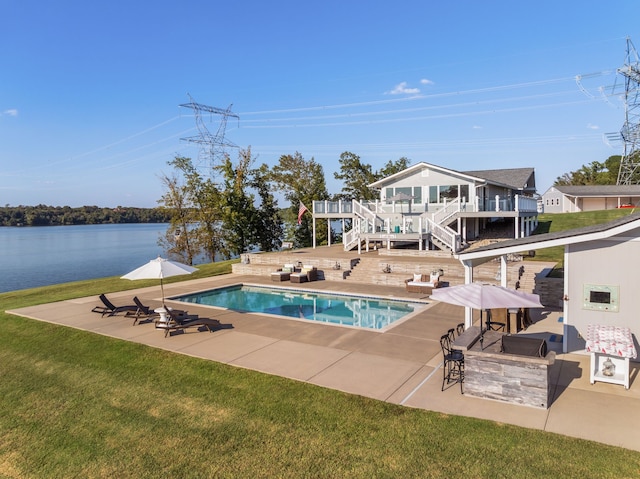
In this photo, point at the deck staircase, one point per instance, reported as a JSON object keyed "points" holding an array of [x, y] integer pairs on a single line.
{"points": [[364, 218], [436, 225]]}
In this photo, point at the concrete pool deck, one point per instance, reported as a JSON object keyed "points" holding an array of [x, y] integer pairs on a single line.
{"points": [[401, 365]]}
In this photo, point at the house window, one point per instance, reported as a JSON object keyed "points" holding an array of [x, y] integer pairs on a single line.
{"points": [[433, 194], [406, 190], [415, 191], [389, 194], [417, 195], [440, 194], [464, 192]]}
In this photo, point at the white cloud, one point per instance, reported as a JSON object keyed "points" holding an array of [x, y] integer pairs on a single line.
{"points": [[426, 81], [401, 89], [10, 112], [593, 127], [476, 127]]}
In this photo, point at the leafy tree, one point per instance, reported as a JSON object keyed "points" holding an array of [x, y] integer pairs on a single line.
{"points": [[195, 206], [179, 240], [595, 173], [303, 181], [238, 213], [393, 167], [269, 224], [356, 177]]}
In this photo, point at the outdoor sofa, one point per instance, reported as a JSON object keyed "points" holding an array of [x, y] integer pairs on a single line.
{"points": [[422, 283]]}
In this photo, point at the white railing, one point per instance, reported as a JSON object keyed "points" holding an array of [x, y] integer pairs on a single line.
{"points": [[349, 239], [445, 235], [446, 212], [333, 207], [526, 204]]}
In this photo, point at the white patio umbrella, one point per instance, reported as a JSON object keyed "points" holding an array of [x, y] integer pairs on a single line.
{"points": [[159, 268], [484, 296]]}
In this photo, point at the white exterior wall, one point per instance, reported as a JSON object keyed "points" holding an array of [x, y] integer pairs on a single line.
{"points": [[614, 261], [553, 201]]}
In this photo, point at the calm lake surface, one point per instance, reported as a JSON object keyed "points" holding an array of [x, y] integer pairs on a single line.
{"points": [[45, 255]]}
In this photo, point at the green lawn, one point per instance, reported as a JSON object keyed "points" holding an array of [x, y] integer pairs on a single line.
{"points": [[77, 404], [552, 223]]}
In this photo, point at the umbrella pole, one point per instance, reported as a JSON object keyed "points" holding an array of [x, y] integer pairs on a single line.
{"points": [[162, 289], [481, 333]]}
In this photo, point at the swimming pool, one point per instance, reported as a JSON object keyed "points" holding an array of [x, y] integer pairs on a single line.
{"points": [[333, 308]]}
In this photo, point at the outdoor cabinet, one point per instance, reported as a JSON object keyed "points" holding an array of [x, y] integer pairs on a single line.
{"points": [[621, 375], [610, 344]]}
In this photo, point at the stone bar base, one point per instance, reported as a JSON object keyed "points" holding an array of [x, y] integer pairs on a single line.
{"points": [[510, 378]]}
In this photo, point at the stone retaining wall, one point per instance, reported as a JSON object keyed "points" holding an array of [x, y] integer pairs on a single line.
{"points": [[550, 290]]}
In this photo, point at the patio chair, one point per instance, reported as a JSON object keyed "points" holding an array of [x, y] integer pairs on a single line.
{"points": [[307, 273], [109, 309], [283, 274], [452, 334], [453, 365], [179, 320]]}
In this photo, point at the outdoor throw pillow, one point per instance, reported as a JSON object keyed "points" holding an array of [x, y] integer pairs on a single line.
{"points": [[417, 277]]}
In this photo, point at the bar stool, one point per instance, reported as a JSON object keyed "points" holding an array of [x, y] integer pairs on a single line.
{"points": [[453, 366]]}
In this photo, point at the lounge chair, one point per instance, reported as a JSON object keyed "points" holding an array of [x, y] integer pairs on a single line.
{"points": [[110, 309], [178, 320], [142, 312]]}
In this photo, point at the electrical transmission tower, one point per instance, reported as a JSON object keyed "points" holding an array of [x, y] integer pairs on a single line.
{"points": [[212, 147], [630, 133]]}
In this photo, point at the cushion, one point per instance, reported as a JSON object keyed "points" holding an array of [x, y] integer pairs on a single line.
{"points": [[289, 265], [287, 269], [417, 277], [308, 267]]}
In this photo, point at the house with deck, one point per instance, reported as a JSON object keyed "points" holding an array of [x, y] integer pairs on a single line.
{"points": [[433, 207]]}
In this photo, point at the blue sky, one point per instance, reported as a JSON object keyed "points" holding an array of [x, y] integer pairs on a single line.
{"points": [[90, 91]]}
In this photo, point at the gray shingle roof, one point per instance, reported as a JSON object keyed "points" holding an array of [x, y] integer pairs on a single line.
{"points": [[599, 190], [515, 178]]}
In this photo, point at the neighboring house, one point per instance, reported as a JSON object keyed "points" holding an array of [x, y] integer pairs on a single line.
{"points": [[437, 208], [575, 198], [601, 263]]}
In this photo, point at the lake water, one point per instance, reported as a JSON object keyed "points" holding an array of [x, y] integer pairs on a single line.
{"points": [[41, 256]]}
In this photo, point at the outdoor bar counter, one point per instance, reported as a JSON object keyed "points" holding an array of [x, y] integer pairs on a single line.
{"points": [[492, 374]]}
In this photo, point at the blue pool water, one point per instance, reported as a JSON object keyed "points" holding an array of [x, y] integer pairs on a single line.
{"points": [[363, 312]]}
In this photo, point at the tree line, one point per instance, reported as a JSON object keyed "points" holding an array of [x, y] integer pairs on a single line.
{"points": [[232, 209], [597, 173], [43, 215]]}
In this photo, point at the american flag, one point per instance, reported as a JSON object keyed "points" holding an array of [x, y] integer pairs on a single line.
{"points": [[301, 211]]}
